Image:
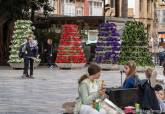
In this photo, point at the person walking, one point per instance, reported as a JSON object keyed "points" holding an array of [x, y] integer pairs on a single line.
{"points": [[161, 55], [29, 52], [49, 50]]}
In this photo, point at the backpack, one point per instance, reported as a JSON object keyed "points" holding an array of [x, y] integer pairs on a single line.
{"points": [[148, 99], [21, 53]]}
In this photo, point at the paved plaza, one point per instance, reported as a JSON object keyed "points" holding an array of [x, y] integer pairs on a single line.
{"points": [[47, 92]]}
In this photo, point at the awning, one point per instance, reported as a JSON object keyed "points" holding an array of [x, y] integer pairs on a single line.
{"points": [[162, 35]]}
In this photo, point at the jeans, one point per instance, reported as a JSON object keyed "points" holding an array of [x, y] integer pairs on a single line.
{"points": [[26, 66]]}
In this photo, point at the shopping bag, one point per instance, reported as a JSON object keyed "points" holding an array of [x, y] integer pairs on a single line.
{"points": [[110, 107]]}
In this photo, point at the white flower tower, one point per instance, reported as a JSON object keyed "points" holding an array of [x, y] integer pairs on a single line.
{"points": [[22, 29]]}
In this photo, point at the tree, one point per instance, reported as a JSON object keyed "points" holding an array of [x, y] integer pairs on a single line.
{"points": [[24, 9], [135, 44]]}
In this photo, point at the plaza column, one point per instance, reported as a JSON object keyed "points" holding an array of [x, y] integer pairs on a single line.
{"points": [[117, 8], [143, 9], [124, 8]]}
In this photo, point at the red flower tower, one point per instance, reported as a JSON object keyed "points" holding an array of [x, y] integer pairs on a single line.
{"points": [[70, 52]]}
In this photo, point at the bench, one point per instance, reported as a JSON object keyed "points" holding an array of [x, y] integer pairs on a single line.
{"points": [[119, 96], [123, 97]]}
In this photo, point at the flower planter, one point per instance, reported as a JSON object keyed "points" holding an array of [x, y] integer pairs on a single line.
{"points": [[21, 65], [109, 66], [70, 65]]}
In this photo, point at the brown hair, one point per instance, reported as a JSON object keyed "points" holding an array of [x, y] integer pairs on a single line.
{"points": [[132, 65], [92, 69], [148, 72], [30, 35]]}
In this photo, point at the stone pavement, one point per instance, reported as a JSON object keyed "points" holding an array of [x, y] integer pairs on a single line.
{"points": [[47, 92]]}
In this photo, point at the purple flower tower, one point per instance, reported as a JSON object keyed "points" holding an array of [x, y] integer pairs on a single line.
{"points": [[108, 45]]}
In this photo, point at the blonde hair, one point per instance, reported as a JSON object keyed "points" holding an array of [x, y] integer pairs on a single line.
{"points": [[132, 65], [149, 72]]}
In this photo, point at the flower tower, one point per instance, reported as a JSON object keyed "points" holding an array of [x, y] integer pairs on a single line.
{"points": [[135, 45], [108, 45], [70, 52], [22, 29]]}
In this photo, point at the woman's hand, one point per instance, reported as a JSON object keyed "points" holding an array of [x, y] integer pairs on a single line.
{"points": [[101, 92]]}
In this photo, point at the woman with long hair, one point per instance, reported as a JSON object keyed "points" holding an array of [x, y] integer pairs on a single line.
{"points": [[131, 77], [90, 89]]}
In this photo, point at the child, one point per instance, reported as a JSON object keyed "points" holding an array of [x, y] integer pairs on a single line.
{"points": [[160, 93], [151, 76], [90, 89], [30, 50], [131, 77], [50, 49]]}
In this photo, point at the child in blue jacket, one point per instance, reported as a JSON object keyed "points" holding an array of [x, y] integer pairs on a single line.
{"points": [[131, 77]]}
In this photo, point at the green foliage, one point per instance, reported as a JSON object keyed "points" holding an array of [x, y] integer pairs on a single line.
{"points": [[135, 45], [19, 9]]}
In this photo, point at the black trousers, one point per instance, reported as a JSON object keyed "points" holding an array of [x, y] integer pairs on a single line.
{"points": [[50, 59], [27, 62]]}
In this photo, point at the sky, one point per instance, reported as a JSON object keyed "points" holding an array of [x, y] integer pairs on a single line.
{"points": [[131, 3]]}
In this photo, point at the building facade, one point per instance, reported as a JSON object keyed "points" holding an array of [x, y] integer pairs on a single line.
{"points": [[160, 9], [145, 11], [78, 7], [117, 8]]}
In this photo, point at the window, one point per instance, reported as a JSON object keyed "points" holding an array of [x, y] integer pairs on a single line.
{"points": [[100, 4], [70, 1], [162, 20], [163, 12], [113, 3], [95, 4], [79, 11]]}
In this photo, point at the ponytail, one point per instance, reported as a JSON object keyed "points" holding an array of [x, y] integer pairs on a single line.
{"points": [[83, 77]]}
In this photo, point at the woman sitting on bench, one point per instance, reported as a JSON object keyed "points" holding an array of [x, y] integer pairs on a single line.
{"points": [[132, 79], [90, 89]]}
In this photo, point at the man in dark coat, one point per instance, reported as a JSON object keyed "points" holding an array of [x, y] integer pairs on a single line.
{"points": [[30, 52]]}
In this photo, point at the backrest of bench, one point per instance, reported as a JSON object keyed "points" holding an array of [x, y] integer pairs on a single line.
{"points": [[123, 97]]}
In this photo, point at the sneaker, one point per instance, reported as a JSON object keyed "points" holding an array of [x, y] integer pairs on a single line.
{"points": [[51, 67], [25, 76], [31, 76]]}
